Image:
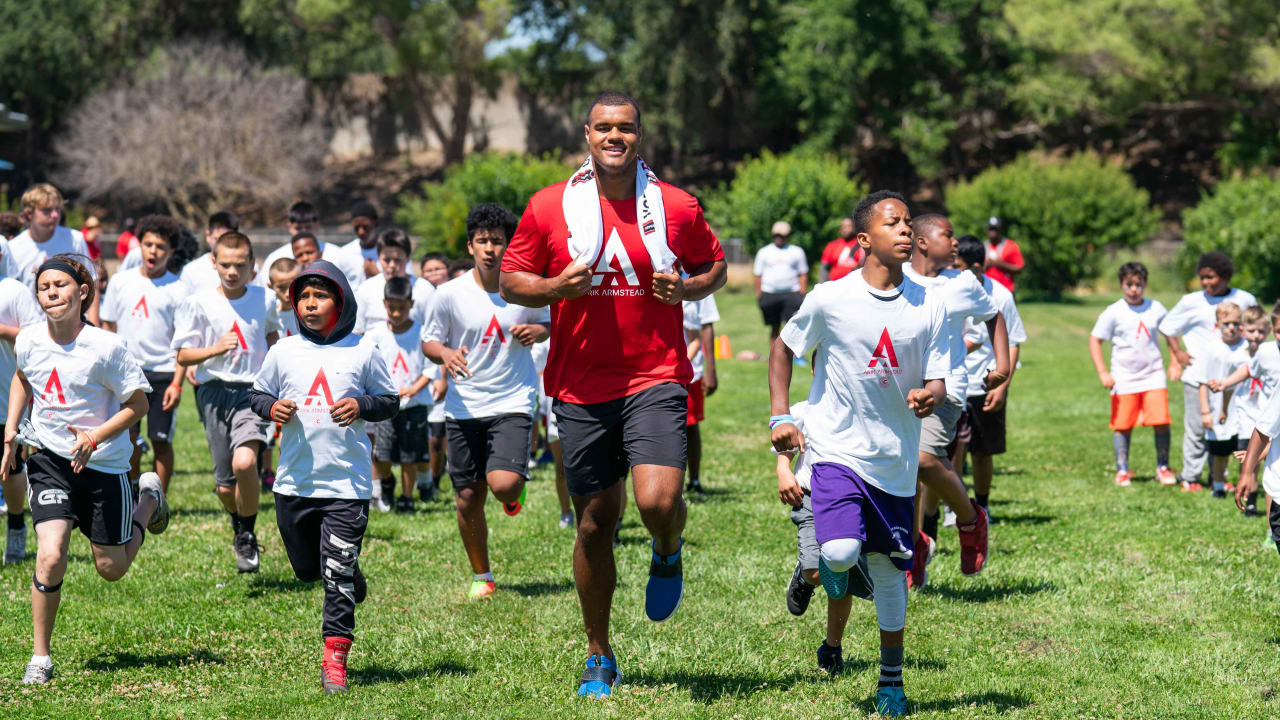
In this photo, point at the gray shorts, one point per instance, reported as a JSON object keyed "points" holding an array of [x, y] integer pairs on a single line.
{"points": [[229, 422], [806, 540], [939, 429]]}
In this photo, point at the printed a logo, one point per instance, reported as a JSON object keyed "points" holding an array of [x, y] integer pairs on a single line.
{"points": [[53, 388], [235, 328], [494, 330], [141, 306], [614, 263], [1142, 331], [1255, 386], [52, 496], [319, 391], [400, 363], [884, 352]]}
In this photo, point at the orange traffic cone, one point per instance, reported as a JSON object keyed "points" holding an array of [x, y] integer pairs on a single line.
{"points": [[724, 350]]}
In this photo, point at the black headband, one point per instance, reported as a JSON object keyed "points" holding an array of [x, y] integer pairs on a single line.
{"points": [[56, 263]]}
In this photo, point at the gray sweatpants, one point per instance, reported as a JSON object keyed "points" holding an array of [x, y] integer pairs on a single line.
{"points": [[1194, 450]]}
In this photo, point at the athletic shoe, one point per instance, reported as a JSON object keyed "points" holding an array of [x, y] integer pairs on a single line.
{"points": [[513, 508], [860, 584], [1123, 478], [427, 493], [948, 518], [835, 583], [246, 545], [925, 547], [665, 590], [1230, 486], [387, 491], [15, 545], [694, 486], [566, 520], [1191, 486], [973, 543], [333, 666], [404, 504], [37, 674], [1251, 510], [149, 484], [481, 589], [830, 659], [799, 592], [546, 458], [1219, 493], [891, 702], [268, 480], [600, 677], [1165, 475], [1268, 542]]}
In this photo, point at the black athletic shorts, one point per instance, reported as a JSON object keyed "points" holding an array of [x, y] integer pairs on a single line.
{"points": [[986, 427], [777, 308], [479, 446], [160, 422], [1222, 448], [601, 442], [437, 429], [99, 503], [404, 438]]}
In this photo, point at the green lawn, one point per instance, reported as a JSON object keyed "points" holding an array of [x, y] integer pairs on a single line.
{"points": [[1097, 602]]}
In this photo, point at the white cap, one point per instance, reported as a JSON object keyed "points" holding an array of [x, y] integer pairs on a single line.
{"points": [[782, 227]]}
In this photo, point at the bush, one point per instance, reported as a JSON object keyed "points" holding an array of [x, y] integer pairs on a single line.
{"points": [[807, 189], [439, 214], [1061, 212], [1239, 218]]}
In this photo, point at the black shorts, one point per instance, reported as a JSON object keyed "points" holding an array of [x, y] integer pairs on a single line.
{"points": [[478, 446], [99, 503], [160, 422], [986, 427], [777, 308], [1223, 448], [601, 442], [404, 438], [20, 461], [437, 430]]}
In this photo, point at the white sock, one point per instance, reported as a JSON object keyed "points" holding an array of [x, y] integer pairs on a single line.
{"points": [[483, 577], [41, 660]]}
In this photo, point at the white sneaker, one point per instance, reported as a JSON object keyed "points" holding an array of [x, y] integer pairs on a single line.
{"points": [[381, 504], [37, 674], [566, 520], [15, 546], [149, 484], [948, 518]]}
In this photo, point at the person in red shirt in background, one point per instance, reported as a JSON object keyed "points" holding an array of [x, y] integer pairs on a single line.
{"points": [[1004, 257], [127, 240], [617, 366], [91, 230], [842, 255]]}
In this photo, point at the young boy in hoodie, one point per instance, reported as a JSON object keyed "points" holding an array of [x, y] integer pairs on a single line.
{"points": [[322, 385]]}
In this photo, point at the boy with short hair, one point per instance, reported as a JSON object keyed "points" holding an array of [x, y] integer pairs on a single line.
{"points": [[435, 268], [879, 338], [281, 275], [325, 478], [364, 218], [225, 334], [200, 274], [1136, 378], [44, 237], [394, 251], [1217, 411], [1263, 375], [141, 305], [303, 219], [306, 248], [402, 439]]}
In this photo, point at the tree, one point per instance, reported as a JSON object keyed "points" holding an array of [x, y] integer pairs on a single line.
{"points": [[197, 128], [1238, 218]]}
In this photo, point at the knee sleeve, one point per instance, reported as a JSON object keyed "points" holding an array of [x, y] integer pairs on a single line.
{"points": [[46, 589], [890, 592], [842, 553]]}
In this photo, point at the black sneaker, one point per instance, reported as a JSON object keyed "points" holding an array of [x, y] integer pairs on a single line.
{"points": [[246, 545], [404, 504], [830, 659], [427, 493], [799, 593], [694, 486], [1219, 493], [1251, 511]]}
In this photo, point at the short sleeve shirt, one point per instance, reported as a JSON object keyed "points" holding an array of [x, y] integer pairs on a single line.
{"points": [[983, 359], [27, 254], [1193, 318], [371, 312], [17, 309], [963, 298], [780, 268], [842, 256], [402, 354], [1132, 330], [1218, 361], [203, 319], [144, 310], [1007, 251], [696, 314], [1257, 390]]}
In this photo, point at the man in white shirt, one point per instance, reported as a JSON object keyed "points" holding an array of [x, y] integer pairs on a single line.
{"points": [[782, 277], [44, 237], [303, 219]]}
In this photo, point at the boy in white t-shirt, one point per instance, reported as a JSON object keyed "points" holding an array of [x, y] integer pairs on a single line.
{"points": [[700, 317], [1254, 382], [394, 250], [1136, 377], [281, 275], [45, 237], [1217, 410], [141, 305], [200, 274], [18, 309], [482, 343], [402, 439], [882, 359], [225, 334], [322, 386], [435, 270]]}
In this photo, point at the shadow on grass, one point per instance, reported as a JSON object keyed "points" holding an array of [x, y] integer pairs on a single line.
{"points": [[709, 687], [711, 493], [1024, 519], [260, 586], [998, 701], [184, 511], [861, 664], [987, 593], [540, 587], [107, 662], [375, 674]]}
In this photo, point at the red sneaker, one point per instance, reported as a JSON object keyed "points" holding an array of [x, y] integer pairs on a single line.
{"points": [[1192, 487], [923, 555], [1165, 475], [973, 542], [333, 666], [1123, 478]]}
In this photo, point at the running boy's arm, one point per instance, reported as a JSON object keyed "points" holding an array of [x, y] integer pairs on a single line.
{"points": [[1000, 344], [19, 397], [1206, 413], [264, 396], [789, 490], [1100, 365], [529, 333], [1258, 444], [785, 435], [88, 439], [709, 379], [1237, 376], [380, 401], [417, 386]]}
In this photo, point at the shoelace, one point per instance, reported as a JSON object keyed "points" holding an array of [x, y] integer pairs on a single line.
{"points": [[334, 672]]}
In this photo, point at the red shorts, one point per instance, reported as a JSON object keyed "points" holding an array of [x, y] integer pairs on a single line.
{"points": [[1145, 408], [697, 401]]}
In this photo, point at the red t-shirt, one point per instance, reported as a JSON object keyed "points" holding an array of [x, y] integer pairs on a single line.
{"points": [[844, 256], [124, 243], [617, 340], [1008, 251]]}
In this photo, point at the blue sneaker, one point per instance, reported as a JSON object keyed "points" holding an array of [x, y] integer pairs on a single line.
{"points": [[599, 677], [666, 585], [835, 583], [891, 702]]}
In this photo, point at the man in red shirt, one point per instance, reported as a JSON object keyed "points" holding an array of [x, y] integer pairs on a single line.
{"points": [[1004, 257], [842, 255], [617, 366]]}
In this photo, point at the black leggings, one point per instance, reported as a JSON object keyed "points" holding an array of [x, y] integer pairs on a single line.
{"points": [[323, 537]]}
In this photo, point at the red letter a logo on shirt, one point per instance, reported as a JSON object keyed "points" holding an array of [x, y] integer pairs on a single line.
{"points": [[494, 329], [400, 364], [1142, 330], [318, 386], [142, 305], [235, 328], [884, 352], [54, 385]]}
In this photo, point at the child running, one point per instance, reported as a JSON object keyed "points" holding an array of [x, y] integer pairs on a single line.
{"points": [[1217, 410], [323, 385], [90, 392], [281, 275], [1136, 376], [18, 309], [394, 250], [482, 343], [1263, 376], [883, 354]]}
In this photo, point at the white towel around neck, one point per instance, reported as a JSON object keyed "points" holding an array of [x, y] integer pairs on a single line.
{"points": [[581, 204]]}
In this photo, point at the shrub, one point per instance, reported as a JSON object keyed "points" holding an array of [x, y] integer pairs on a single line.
{"points": [[807, 189], [438, 215], [1239, 218], [1061, 212]]}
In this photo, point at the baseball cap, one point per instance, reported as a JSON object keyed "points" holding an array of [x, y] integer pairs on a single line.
{"points": [[993, 222], [782, 227]]}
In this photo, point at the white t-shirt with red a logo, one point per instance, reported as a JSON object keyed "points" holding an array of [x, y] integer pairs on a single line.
{"points": [[874, 346], [80, 384], [318, 458], [1136, 362], [203, 318], [503, 376], [143, 310], [402, 354]]}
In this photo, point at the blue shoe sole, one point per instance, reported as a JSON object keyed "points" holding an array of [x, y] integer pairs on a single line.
{"points": [[649, 605]]}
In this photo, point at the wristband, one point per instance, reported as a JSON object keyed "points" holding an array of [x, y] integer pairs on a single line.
{"points": [[175, 385], [92, 442], [272, 411], [777, 420]]}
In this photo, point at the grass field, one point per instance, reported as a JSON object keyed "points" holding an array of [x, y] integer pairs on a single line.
{"points": [[1097, 602]]}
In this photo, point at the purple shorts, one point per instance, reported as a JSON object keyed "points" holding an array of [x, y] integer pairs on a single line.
{"points": [[846, 506]]}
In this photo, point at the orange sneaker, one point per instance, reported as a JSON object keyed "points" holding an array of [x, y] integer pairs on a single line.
{"points": [[1192, 487], [1165, 475], [973, 542], [481, 589], [1123, 478]]}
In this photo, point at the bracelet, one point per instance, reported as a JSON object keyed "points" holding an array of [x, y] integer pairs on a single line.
{"points": [[177, 385], [92, 442], [777, 420]]}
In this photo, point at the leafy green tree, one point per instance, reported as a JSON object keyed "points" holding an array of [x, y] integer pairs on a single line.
{"points": [[1239, 218]]}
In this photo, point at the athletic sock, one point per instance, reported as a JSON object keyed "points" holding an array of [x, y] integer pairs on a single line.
{"points": [[890, 667], [15, 521], [235, 523], [930, 525], [982, 499], [1121, 442], [247, 522], [1252, 500], [483, 577], [41, 660], [1162, 449]]}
